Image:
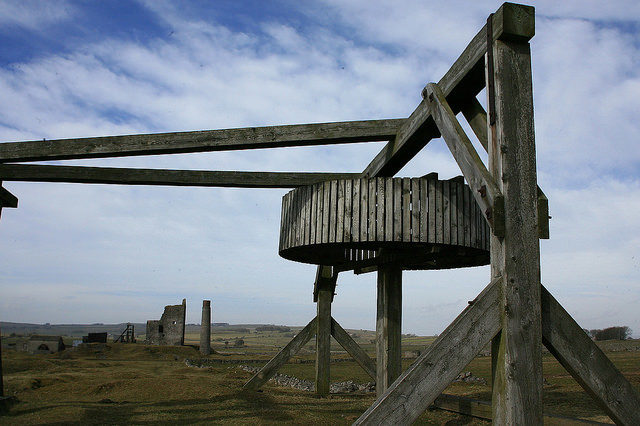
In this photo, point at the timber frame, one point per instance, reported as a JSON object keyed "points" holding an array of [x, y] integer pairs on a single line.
{"points": [[514, 312]]}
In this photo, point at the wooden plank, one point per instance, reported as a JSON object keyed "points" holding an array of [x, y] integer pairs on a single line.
{"points": [[364, 210], [333, 211], [406, 209], [292, 348], [443, 360], [460, 211], [356, 352], [287, 230], [355, 217], [389, 213], [380, 206], [517, 391], [482, 410], [128, 176], [340, 213], [323, 339], [483, 186], [439, 228], [201, 141], [314, 214], [468, 203], [373, 210], [424, 214], [326, 209], [7, 199], [397, 210], [415, 210], [473, 221], [348, 212], [433, 184], [297, 217], [446, 212], [586, 362], [464, 79], [388, 326], [477, 118], [284, 219]]}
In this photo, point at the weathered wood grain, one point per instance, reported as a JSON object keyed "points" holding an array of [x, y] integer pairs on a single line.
{"points": [[323, 332], [476, 116], [432, 372], [483, 186], [388, 326], [586, 362], [201, 141], [356, 352], [129, 176], [517, 391], [465, 78], [292, 348]]}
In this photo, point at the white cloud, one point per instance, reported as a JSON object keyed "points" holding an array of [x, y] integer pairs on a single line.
{"points": [[34, 14]]}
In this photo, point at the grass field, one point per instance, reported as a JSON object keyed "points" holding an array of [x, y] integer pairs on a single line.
{"points": [[138, 384]]}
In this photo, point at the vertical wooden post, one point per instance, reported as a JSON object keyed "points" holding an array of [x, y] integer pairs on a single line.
{"points": [[388, 327], [517, 389], [324, 297]]}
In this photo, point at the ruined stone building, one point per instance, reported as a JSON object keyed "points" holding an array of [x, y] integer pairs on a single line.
{"points": [[169, 329], [44, 344]]}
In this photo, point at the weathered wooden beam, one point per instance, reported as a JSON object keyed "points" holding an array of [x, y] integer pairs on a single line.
{"points": [[388, 326], [292, 348], [201, 141], [432, 372], [483, 186], [482, 410], [476, 116], [465, 78], [586, 362], [356, 352], [7, 199], [517, 390], [323, 340], [128, 176]]}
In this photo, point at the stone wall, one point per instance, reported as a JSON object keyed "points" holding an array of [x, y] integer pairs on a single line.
{"points": [[169, 329]]}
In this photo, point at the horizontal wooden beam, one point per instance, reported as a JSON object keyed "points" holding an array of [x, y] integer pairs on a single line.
{"points": [[292, 348], [482, 410], [443, 360], [465, 78], [586, 362], [7, 199], [483, 186], [356, 352], [476, 116], [201, 141], [126, 176]]}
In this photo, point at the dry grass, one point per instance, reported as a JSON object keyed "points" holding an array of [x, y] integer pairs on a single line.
{"points": [[137, 384]]}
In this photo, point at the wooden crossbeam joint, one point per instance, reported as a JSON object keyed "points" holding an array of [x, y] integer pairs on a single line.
{"points": [[326, 279], [7, 199], [483, 186]]}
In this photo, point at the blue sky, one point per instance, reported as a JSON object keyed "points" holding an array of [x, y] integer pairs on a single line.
{"points": [[95, 253]]}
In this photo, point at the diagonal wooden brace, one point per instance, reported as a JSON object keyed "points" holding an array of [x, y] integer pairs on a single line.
{"points": [[586, 362], [432, 372], [476, 116], [292, 348], [356, 352], [483, 186]]}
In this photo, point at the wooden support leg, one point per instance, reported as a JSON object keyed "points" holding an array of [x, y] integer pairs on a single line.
{"points": [[353, 349], [517, 389], [323, 341], [432, 372], [292, 348], [586, 362], [388, 327]]}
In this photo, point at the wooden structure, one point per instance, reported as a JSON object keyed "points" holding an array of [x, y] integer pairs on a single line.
{"points": [[127, 336], [514, 312]]}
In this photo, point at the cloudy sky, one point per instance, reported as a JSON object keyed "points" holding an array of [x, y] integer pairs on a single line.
{"points": [[97, 253]]}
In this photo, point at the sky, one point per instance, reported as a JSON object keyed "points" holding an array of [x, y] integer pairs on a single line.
{"points": [[76, 253]]}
